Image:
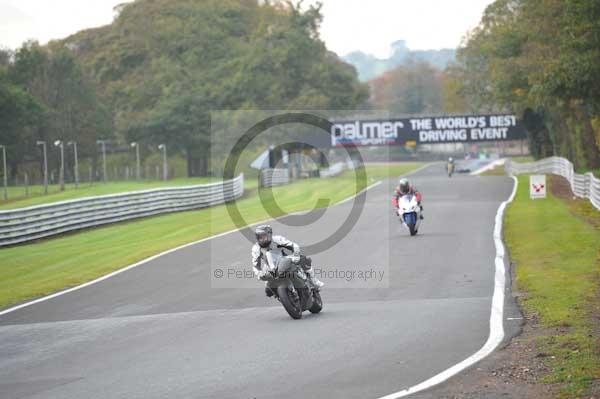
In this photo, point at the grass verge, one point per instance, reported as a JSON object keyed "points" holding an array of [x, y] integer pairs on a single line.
{"points": [[47, 266], [556, 251]]}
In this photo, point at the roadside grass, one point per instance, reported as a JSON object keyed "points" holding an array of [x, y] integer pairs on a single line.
{"points": [[17, 198], [44, 267], [497, 171], [556, 252], [523, 159]]}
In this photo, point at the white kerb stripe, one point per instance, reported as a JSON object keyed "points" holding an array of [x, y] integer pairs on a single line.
{"points": [[496, 322]]}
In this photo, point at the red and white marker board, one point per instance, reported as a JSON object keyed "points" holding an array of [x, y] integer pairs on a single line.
{"points": [[537, 186]]}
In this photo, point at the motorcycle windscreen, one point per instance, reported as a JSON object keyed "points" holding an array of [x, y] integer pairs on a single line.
{"points": [[410, 218]]}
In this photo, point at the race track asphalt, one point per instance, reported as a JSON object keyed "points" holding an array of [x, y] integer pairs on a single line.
{"points": [[397, 310]]}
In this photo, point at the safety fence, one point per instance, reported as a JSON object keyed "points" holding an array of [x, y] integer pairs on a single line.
{"points": [[32, 223], [582, 185], [274, 177], [338, 168], [277, 177]]}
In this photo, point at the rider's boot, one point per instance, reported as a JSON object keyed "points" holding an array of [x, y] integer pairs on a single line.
{"points": [[313, 279]]}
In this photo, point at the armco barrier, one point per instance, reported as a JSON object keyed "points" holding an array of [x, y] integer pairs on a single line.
{"points": [[27, 224], [274, 177], [583, 186], [333, 170], [338, 168]]}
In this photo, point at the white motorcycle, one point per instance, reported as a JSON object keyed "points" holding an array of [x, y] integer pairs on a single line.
{"points": [[409, 211]]}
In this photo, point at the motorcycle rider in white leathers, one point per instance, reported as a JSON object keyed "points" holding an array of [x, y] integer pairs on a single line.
{"points": [[269, 249]]}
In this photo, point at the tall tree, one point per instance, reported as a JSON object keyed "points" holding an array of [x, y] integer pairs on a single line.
{"points": [[415, 88], [52, 76], [540, 57], [20, 114], [163, 65]]}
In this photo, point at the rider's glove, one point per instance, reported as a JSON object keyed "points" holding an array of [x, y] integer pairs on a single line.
{"points": [[295, 258]]}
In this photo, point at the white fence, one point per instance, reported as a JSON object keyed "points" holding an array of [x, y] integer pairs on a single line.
{"points": [[583, 186], [274, 177], [277, 177], [338, 168], [27, 224], [333, 170]]}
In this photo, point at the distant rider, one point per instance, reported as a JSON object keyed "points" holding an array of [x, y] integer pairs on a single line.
{"points": [[405, 188], [269, 249], [450, 166]]}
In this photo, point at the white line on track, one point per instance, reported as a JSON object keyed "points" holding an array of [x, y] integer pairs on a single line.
{"points": [[496, 322], [144, 261]]}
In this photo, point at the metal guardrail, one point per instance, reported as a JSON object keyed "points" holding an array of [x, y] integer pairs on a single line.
{"points": [[583, 186], [338, 168], [274, 177], [32, 223], [333, 170]]}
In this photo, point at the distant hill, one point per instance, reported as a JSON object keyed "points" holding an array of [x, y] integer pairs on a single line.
{"points": [[369, 66]]}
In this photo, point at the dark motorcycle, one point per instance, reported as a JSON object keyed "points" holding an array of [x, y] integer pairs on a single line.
{"points": [[291, 286]]}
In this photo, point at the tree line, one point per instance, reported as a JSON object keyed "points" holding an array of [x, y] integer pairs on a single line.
{"points": [[154, 75], [541, 60]]}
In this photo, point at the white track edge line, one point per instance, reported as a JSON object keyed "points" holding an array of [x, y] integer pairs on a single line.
{"points": [[143, 261], [496, 322]]}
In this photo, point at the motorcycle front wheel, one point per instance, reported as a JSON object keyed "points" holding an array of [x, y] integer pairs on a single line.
{"points": [[413, 229], [317, 305], [290, 302]]}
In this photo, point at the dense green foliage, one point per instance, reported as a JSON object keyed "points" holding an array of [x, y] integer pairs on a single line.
{"points": [[157, 71], [540, 59], [44, 95], [163, 65]]}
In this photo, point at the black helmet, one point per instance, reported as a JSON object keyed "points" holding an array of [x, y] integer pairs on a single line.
{"points": [[404, 186], [264, 234]]}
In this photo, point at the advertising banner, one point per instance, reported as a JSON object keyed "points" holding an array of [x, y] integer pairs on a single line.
{"points": [[427, 130]]}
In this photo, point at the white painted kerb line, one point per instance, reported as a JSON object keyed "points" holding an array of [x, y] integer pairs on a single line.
{"points": [[496, 322]]}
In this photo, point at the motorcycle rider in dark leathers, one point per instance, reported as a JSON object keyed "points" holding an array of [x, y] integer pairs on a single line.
{"points": [[267, 251]]}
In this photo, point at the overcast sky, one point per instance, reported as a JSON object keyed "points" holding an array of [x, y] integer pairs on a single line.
{"points": [[367, 25]]}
